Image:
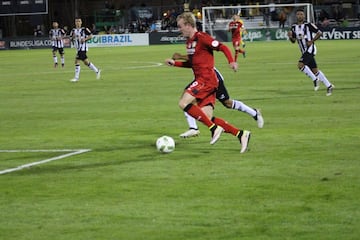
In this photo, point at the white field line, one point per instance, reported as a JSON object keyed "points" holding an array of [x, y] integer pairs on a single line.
{"points": [[72, 152]]}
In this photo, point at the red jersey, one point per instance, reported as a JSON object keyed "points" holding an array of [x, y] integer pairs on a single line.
{"points": [[235, 29], [200, 50]]}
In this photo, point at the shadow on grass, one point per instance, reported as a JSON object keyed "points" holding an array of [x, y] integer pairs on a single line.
{"points": [[113, 156]]}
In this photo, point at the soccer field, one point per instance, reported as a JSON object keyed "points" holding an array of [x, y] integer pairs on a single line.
{"points": [[78, 160]]}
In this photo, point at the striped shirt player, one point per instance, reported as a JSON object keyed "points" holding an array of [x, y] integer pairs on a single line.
{"points": [[57, 35], [305, 34], [223, 96], [79, 37]]}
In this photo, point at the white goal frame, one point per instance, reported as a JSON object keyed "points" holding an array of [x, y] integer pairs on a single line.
{"points": [[207, 21]]}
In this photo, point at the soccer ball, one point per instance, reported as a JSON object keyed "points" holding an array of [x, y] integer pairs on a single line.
{"points": [[165, 144]]}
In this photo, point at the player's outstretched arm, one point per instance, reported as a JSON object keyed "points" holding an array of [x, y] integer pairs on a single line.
{"points": [[178, 56], [172, 62], [228, 55]]}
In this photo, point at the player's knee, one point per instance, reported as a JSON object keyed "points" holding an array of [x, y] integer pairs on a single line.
{"points": [[226, 103], [300, 65], [183, 104]]}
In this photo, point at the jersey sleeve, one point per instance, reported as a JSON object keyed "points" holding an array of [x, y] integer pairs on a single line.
{"points": [[209, 41], [226, 52], [293, 31], [217, 46], [185, 64], [88, 32], [313, 28]]}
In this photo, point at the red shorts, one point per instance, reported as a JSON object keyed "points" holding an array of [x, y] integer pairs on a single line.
{"points": [[236, 42], [205, 94]]}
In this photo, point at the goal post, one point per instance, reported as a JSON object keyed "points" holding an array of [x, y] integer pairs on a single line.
{"points": [[257, 16]]}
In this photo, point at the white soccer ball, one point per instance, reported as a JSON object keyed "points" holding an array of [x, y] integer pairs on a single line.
{"points": [[165, 144]]}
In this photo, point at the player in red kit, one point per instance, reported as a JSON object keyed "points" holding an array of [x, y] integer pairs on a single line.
{"points": [[236, 26], [198, 100]]}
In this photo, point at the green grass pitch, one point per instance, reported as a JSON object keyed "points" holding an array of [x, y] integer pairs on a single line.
{"points": [[299, 179]]}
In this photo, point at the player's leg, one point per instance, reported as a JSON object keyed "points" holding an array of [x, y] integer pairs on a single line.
{"points": [[187, 103], [61, 51], [193, 130], [93, 67], [77, 69], [327, 83], [242, 135], [240, 106], [223, 96], [321, 76], [80, 56], [236, 48], [54, 50], [215, 131], [303, 67]]}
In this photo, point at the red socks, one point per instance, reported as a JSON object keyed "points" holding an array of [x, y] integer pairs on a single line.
{"points": [[198, 114], [226, 126]]}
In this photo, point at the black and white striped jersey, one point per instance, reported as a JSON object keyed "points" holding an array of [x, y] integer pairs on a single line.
{"points": [[304, 33], [56, 35], [77, 34]]}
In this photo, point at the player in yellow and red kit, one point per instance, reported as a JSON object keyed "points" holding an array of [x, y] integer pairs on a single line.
{"points": [[236, 27]]}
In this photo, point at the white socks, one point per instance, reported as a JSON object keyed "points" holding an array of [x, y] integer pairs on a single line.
{"points": [[322, 78], [240, 106], [92, 67], [308, 72], [191, 121], [77, 71], [78, 68], [320, 75]]}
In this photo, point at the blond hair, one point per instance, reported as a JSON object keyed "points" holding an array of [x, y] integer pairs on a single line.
{"points": [[188, 18]]}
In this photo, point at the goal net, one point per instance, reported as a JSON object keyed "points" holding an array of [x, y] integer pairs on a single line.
{"points": [[254, 16]]}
